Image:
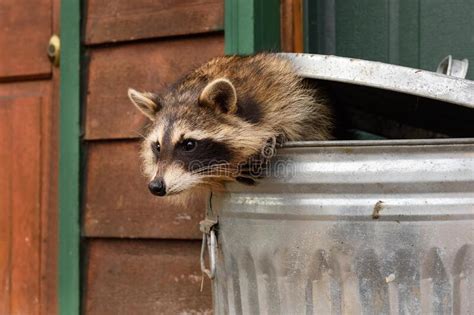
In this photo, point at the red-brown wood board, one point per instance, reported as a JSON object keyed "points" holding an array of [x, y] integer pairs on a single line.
{"points": [[118, 203], [150, 66], [145, 277], [125, 20], [142, 252]]}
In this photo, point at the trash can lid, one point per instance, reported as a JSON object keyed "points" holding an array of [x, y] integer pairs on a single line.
{"points": [[385, 76]]}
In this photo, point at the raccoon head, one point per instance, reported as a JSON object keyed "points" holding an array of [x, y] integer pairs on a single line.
{"points": [[196, 137]]}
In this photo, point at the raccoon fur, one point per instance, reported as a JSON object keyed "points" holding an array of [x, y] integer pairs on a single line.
{"points": [[209, 127]]}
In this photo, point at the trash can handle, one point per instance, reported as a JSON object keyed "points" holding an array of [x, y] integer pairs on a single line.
{"points": [[453, 67], [210, 241]]}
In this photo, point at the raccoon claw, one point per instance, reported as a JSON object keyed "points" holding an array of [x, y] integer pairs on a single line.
{"points": [[268, 150], [279, 141]]}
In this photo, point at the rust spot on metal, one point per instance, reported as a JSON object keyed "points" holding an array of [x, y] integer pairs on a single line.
{"points": [[377, 208]]}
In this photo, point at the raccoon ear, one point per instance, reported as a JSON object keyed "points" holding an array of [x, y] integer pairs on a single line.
{"points": [[146, 102], [220, 94]]}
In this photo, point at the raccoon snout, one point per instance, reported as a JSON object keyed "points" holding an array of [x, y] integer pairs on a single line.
{"points": [[157, 187]]}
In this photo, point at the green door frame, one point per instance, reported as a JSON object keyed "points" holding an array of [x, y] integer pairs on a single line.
{"points": [[252, 26], [69, 160]]}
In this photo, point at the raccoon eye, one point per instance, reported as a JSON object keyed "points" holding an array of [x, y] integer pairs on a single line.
{"points": [[155, 147], [189, 145]]}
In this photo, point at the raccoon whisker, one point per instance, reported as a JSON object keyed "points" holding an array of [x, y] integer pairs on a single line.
{"points": [[221, 172], [139, 134], [212, 168], [223, 167], [210, 181], [218, 176], [228, 168], [214, 165], [216, 172], [209, 170], [177, 188], [224, 170], [226, 175]]}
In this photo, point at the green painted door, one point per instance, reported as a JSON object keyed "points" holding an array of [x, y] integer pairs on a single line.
{"points": [[413, 33]]}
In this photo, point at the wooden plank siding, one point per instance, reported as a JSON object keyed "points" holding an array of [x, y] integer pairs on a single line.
{"points": [[125, 20], [149, 66], [145, 277], [118, 203], [141, 252]]}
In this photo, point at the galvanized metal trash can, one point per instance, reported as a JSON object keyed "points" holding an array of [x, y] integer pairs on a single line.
{"points": [[353, 227]]}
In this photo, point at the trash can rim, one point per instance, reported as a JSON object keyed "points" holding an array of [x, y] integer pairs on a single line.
{"points": [[385, 76], [374, 143]]}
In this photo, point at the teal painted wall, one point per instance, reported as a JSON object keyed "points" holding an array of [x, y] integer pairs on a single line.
{"points": [[252, 26], [413, 33]]}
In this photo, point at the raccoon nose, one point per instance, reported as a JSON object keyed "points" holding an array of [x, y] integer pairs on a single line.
{"points": [[157, 187]]}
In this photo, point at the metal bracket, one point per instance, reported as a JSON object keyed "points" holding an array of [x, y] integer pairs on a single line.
{"points": [[208, 227], [453, 67], [212, 249]]}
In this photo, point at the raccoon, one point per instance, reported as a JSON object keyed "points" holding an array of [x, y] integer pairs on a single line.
{"points": [[207, 127]]}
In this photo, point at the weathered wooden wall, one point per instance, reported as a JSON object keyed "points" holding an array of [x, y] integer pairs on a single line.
{"points": [[141, 252]]}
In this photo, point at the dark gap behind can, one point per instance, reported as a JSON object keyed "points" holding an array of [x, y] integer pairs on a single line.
{"points": [[367, 113]]}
